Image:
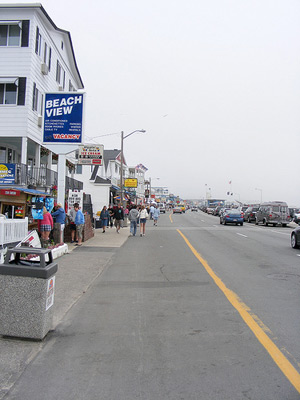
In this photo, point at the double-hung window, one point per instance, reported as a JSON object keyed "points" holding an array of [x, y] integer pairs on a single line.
{"points": [[38, 42], [8, 93], [10, 34], [58, 72]]}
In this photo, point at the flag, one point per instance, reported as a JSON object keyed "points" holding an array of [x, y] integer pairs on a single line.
{"points": [[142, 167]]}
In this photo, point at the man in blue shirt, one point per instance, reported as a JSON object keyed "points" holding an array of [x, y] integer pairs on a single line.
{"points": [[60, 217], [79, 221]]}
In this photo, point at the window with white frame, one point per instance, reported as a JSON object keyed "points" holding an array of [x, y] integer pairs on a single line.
{"points": [[60, 74], [37, 100], [45, 52], [8, 93], [49, 58], [47, 55], [78, 169], [38, 42], [10, 35]]}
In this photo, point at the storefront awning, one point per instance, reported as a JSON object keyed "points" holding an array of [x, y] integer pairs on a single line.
{"points": [[26, 190]]}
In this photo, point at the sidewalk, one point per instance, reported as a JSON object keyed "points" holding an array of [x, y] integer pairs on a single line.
{"points": [[76, 271]]}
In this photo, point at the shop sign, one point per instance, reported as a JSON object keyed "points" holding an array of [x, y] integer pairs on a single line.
{"points": [[91, 155], [75, 196], [7, 174], [63, 118], [8, 192], [131, 183]]}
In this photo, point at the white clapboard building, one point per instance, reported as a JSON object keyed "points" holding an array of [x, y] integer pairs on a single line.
{"points": [[35, 57]]}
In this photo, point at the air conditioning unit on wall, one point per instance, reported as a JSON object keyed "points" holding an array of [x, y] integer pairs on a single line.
{"points": [[44, 69], [40, 121]]}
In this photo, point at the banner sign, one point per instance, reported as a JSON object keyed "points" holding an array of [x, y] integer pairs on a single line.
{"points": [[7, 174], [130, 183], [91, 155], [9, 192], [63, 117]]}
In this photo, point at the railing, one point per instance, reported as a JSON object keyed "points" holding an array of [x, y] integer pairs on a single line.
{"points": [[73, 184], [13, 230], [29, 175], [42, 177]]}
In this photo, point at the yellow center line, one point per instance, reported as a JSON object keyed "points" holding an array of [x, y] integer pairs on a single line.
{"points": [[170, 216], [253, 322]]}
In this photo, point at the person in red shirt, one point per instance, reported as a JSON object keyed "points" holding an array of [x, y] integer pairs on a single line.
{"points": [[45, 226]]}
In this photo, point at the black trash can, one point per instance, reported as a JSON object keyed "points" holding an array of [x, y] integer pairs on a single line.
{"points": [[27, 292]]}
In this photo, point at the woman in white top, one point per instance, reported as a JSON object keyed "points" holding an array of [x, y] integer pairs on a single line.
{"points": [[143, 218]]}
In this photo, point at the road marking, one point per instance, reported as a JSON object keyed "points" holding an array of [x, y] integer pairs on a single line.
{"points": [[280, 233], [253, 322], [240, 234], [170, 216]]}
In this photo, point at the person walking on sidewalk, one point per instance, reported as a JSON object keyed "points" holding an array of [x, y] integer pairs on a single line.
{"points": [[60, 217], [79, 221], [133, 218], [72, 215], [151, 211], [104, 216], [155, 215], [45, 226], [119, 217], [111, 216], [143, 219]]}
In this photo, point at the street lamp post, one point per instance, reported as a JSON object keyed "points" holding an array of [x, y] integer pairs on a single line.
{"points": [[122, 160]]}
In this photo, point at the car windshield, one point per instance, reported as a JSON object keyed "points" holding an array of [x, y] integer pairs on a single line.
{"points": [[234, 212]]}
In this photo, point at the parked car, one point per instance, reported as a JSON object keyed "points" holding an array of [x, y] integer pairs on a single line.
{"points": [[295, 238], [182, 207], [162, 208], [250, 214], [210, 210], [194, 208], [217, 210], [273, 212], [232, 216], [177, 209], [296, 217]]}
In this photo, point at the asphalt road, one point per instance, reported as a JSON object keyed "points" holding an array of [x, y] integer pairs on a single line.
{"points": [[193, 310]]}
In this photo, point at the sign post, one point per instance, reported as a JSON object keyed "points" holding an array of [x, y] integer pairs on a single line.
{"points": [[63, 130]]}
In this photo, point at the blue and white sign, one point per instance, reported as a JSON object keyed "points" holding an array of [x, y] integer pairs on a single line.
{"points": [[63, 118], [7, 174]]}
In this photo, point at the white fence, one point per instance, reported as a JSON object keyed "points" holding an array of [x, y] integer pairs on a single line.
{"points": [[12, 230]]}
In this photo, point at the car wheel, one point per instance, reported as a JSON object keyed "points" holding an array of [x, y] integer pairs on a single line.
{"points": [[265, 222], [283, 225], [249, 220], [224, 222], [274, 224], [294, 241], [256, 221], [242, 223]]}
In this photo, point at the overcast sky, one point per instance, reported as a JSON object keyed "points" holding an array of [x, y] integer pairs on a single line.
{"points": [[215, 83]]}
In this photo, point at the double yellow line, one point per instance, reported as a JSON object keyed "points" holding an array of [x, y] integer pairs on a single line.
{"points": [[253, 322]]}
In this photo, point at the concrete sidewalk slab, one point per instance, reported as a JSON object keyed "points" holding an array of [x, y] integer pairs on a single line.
{"points": [[76, 272]]}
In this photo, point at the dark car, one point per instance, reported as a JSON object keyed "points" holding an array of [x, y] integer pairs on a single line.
{"points": [[295, 238], [232, 216], [250, 213]]}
